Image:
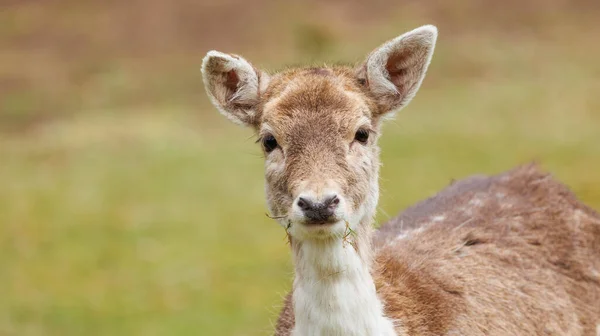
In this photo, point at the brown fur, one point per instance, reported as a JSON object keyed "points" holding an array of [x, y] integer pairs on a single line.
{"points": [[329, 102], [513, 254]]}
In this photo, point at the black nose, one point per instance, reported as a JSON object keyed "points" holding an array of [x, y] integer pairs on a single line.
{"points": [[318, 212]]}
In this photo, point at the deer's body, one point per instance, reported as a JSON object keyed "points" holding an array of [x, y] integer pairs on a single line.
{"points": [[514, 254], [509, 255]]}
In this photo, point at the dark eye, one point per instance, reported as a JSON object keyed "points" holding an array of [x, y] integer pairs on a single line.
{"points": [[269, 143], [362, 135]]}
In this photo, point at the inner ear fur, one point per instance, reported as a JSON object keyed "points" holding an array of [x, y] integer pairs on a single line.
{"points": [[395, 70], [233, 85]]}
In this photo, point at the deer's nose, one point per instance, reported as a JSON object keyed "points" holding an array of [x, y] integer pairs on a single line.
{"points": [[318, 212]]}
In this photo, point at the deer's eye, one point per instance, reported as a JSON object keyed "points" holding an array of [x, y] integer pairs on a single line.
{"points": [[362, 135], [269, 143]]}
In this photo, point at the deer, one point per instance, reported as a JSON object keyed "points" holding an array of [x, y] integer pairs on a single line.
{"points": [[509, 254]]}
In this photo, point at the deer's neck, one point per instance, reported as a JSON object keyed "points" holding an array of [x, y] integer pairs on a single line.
{"points": [[334, 292]]}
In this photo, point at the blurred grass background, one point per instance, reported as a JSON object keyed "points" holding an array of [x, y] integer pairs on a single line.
{"points": [[128, 206]]}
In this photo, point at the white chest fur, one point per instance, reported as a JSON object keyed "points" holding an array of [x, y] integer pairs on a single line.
{"points": [[334, 293]]}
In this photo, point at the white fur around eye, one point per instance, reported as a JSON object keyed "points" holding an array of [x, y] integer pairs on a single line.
{"points": [[275, 162]]}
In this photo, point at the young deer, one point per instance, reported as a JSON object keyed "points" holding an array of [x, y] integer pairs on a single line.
{"points": [[514, 254]]}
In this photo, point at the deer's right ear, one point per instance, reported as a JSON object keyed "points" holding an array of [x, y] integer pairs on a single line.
{"points": [[233, 85]]}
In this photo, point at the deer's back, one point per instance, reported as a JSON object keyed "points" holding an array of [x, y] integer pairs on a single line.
{"points": [[513, 254]]}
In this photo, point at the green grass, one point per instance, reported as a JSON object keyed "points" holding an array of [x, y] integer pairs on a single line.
{"points": [[125, 220], [157, 232]]}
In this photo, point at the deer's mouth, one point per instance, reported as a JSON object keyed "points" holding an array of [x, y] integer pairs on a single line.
{"points": [[321, 223], [323, 229]]}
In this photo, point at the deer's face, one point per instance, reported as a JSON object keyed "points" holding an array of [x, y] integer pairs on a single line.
{"points": [[318, 129], [319, 138]]}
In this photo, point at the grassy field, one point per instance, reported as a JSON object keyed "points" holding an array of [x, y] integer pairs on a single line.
{"points": [[126, 216]]}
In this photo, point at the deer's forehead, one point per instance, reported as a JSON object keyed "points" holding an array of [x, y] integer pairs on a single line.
{"points": [[315, 103]]}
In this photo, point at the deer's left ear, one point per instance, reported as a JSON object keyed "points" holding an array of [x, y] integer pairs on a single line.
{"points": [[233, 85], [394, 71]]}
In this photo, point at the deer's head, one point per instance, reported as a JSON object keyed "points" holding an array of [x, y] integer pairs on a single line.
{"points": [[318, 128]]}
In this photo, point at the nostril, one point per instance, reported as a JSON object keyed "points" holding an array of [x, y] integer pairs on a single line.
{"points": [[332, 202], [303, 204]]}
